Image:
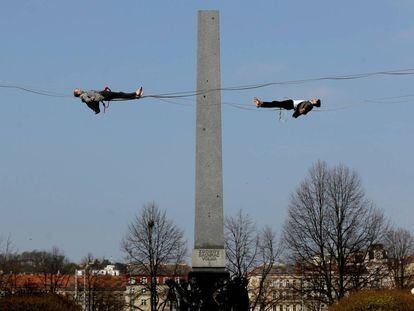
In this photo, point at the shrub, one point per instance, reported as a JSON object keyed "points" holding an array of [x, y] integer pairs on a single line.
{"points": [[384, 300], [37, 303]]}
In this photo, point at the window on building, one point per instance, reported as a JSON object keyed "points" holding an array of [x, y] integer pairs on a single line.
{"points": [[144, 280], [143, 290], [281, 308], [287, 308], [284, 283], [287, 283], [131, 280], [143, 302], [294, 308], [274, 308]]}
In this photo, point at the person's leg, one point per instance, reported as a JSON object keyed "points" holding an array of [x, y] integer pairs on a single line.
{"points": [[285, 104], [109, 95]]}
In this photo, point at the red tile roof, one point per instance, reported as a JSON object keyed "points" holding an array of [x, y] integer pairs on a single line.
{"points": [[63, 282]]}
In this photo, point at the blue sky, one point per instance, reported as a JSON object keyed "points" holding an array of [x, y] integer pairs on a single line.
{"points": [[72, 179]]}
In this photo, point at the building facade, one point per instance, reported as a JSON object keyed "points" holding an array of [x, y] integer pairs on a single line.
{"points": [[138, 289]]}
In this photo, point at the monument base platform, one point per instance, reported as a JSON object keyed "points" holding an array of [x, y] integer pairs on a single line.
{"points": [[210, 283]]}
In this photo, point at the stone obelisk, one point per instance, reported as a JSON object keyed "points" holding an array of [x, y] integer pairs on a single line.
{"points": [[208, 233], [208, 258]]}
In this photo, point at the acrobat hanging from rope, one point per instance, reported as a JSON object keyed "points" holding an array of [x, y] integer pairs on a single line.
{"points": [[301, 107], [92, 98]]}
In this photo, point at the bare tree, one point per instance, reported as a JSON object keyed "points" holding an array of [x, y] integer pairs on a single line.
{"points": [[399, 244], [241, 244], [262, 295], [9, 264], [153, 240], [251, 256], [88, 260], [330, 229], [103, 293], [7, 252], [99, 292], [52, 264]]}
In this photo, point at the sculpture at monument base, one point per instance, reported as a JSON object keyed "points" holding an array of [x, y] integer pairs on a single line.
{"points": [[225, 294]]}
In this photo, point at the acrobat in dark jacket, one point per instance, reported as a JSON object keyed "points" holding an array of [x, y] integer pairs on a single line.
{"points": [[301, 107], [92, 98]]}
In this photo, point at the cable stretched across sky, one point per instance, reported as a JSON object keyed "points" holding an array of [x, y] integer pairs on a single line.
{"points": [[398, 72], [32, 90], [401, 72], [168, 97]]}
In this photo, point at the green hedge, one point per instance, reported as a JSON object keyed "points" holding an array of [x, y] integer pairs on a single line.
{"points": [[385, 300], [37, 303]]}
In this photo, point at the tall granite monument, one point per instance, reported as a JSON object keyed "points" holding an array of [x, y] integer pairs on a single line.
{"points": [[208, 257], [208, 240]]}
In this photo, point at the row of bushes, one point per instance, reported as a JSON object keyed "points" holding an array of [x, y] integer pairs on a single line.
{"points": [[37, 303], [384, 300]]}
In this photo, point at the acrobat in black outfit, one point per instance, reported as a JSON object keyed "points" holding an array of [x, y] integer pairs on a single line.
{"points": [[93, 98], [301, 107]]}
